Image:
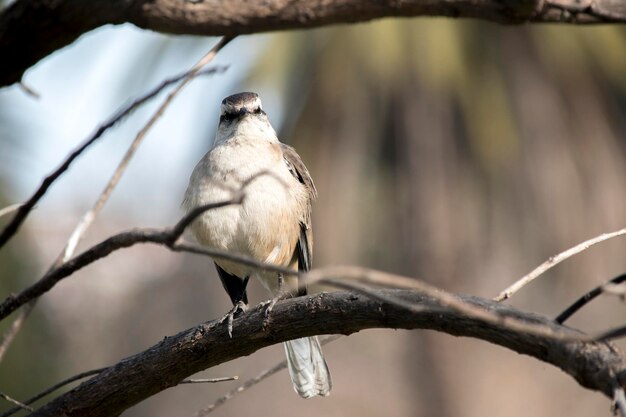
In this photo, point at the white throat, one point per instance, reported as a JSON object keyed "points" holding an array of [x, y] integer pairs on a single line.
{"points": [[249, 128]]}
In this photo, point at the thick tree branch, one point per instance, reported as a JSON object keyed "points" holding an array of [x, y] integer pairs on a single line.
{"points": [[32, 29], [594, 365]]}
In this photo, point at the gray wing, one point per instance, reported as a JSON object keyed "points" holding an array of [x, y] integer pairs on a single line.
{"points": [[304, 248]]}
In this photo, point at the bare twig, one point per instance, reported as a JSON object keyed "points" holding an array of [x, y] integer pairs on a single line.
{"points": [[16, 402], [615, 289], [9, 335], [166, 237], [209, 380], [370, 292], [555, 260], [9, 209], [54, 388], [612, 334], [231, 256], [582, 301], [344, 277], [25, 208], [28, 90], [253, 381]]}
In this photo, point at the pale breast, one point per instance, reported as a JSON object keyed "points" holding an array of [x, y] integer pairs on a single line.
{"points": [[266, 225]]}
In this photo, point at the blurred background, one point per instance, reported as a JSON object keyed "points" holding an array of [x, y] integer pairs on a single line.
{"points": [[459, 152]]}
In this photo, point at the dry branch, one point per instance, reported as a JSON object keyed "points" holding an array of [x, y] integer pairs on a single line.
{"points": [[555, 260], [594, 365], [48, 25], [167, 237], [586, 298], [53, 388]]}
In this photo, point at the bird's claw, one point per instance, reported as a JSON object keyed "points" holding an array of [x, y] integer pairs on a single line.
{"points": [[269, 306], [230, 316]]}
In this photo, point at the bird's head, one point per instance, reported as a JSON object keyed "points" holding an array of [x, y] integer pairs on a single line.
{"points": [[242, 115]]}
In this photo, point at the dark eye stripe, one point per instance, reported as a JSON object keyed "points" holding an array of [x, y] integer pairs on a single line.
{"points": [[227, 117]]}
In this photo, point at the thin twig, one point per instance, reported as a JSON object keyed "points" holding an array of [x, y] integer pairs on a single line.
{"points": [[370, 292], [555, 260], [582, 301], [615, 289], [29, 90], [349, 274], [209, 380], [53, 388], [26, 207], [612, 334], [253, 381], [16, 402], [230, 256], [167, 237], [9, 335], [9, 209]]}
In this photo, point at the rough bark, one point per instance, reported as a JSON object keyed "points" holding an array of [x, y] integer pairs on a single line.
{"points": [[595, 366], [32, 29]]}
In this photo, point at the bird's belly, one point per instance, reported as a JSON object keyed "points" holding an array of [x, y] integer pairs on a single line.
{"points": [[264, 227]]}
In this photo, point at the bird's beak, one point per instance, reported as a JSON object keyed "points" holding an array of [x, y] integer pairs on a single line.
{"points": [[242, 112]]}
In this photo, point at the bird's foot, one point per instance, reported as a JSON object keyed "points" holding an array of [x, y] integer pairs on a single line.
{"points": [[240, 306], [269, 306]]}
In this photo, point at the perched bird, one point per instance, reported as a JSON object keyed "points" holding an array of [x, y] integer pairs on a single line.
{"points": [[271, 225]]}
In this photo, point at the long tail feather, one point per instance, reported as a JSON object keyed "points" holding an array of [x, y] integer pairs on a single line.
{"points": [[307, 367]]}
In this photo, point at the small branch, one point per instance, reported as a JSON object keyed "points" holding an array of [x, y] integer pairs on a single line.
{"points": [[28, 90], [611, 334], [24, 209], [231, 256], [52, 389], [9, 335], [253, 381], [585, 299], [208, 380], [345, 277], [9, 209], [618, 290], [165, 237], [16, 402], [555, 260]]}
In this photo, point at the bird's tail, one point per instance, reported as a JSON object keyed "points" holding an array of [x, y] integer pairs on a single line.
{"points": [[307, 367]]}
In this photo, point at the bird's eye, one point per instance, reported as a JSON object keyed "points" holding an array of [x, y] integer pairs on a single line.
{"points": [[258, 110], [227, 117]]}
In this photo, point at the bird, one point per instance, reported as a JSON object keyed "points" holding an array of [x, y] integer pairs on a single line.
{"points": [[271, 225]]}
